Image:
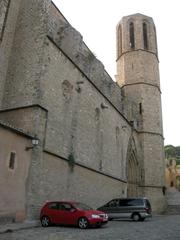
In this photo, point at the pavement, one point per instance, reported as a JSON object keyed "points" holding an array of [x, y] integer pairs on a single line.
{"points": [[11, 227], [162, 227]]}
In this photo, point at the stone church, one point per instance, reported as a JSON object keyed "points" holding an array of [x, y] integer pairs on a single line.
{"points": [[67, 130]]}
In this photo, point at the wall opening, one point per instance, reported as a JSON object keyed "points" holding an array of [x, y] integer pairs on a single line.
{"points": [[140, 108], [3, 18], [131, 35], [145, 36], [12, 160], [97, 114], [119, 41]]}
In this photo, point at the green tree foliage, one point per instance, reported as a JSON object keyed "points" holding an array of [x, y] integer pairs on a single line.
{"points": [[173, 152]]}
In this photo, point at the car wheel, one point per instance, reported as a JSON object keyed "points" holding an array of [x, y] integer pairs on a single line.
{"points": [[136, 217], [45, 221], [83, 223]]}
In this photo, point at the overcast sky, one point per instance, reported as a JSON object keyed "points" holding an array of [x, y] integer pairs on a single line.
{"points": [[96, 20]]}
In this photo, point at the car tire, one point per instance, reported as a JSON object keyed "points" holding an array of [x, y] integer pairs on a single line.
{"points": [[83, 223], [136, 217], [45, 221]]}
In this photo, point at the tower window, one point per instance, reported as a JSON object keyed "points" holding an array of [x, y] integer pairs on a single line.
{"points": [[4, 13], [131, 34], [97, 114], [155, 40], [12, 160], [117, 132], [119, 41], [145, 36], [140, 108]]}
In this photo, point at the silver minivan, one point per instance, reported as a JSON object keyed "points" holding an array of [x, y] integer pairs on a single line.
{"points": [[137, 209]]}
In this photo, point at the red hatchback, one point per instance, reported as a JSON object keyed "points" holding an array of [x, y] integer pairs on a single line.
{"points": [[71, 213]]}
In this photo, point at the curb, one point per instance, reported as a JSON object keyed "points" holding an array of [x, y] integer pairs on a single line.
{"points": [[8, 228]]}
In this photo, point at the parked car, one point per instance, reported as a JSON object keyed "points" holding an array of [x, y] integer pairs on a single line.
{"points": [[136, 209], [71, 213]]}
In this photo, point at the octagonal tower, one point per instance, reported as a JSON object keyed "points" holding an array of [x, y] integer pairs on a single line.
{"points": [[138, 76]]}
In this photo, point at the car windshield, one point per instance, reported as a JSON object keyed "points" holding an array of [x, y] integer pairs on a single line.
{"points": [[82, 206]]}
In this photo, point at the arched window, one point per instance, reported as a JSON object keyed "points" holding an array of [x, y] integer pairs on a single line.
{"points": [[145, 36], [119, 42], [131, 35], [155, 41]]}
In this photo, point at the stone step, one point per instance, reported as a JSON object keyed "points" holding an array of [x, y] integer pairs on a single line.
{"points": [[173, 210], [173, 193], [173, 201], [6, 219], [173, 197]]}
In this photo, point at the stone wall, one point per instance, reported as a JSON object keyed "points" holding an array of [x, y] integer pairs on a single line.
{"points": [[58, 182], [25, 63], [153, 165], [14, 176], [136, 69], [8, 17], [157, 199], [54, 87], [81, 120]]}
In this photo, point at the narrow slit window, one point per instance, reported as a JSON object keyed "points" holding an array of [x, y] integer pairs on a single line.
{"points": [[5, 9], [131, 34], [117, 132], [119, 41], [12, 160], [145, 36], [140, 108], [97, 114], [155, 41]]}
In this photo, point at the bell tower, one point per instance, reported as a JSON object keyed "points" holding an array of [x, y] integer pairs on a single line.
{"points": [[138, 76]]}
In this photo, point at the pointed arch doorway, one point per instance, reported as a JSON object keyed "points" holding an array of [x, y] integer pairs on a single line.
{"points": [[132, 170]]}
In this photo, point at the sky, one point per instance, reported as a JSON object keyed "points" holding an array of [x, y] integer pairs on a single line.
{"points": [[96, 20]]}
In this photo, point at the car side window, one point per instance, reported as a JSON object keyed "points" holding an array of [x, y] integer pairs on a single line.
{"points": [[131, 202], [123, 202], [53, 205], [147, 203], [136, 202], [65, 206], [114, 203]]}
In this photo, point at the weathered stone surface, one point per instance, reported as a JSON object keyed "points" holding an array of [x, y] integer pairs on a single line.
{"points": [[97, 139]]}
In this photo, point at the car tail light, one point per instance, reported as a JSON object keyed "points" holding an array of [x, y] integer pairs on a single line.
{"points": [[148, 210]]}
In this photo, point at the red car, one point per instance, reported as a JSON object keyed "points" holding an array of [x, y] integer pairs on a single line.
{"points": [[71, 213]]}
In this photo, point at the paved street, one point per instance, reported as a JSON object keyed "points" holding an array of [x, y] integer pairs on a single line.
{"points": [[158, 228]]}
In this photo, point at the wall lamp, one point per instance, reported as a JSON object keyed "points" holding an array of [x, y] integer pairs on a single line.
{"points": [[34, 142]]}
